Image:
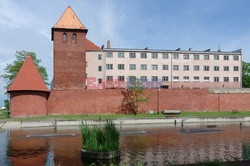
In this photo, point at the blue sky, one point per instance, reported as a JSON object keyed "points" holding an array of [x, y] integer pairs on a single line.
{"points": [[165, 24]]}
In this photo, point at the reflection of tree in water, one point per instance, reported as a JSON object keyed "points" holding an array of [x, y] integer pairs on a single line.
{"points": [[246, 151]]}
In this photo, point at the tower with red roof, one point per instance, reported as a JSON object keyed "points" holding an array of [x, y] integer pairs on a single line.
{"points": [[69, 41], [28, 92]]}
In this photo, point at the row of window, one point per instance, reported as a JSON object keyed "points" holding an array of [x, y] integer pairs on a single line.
{"points": [[165, 67], [166, 56], [175, 78], [74, 37]]}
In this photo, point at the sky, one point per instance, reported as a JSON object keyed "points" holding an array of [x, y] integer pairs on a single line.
{"points": [[162, 24]]}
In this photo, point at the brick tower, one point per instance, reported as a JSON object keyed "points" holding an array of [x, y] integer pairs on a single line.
{"points": [[69, 41]]}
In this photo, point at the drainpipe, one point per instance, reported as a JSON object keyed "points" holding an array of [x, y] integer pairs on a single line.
{"points": [[219, 101]]}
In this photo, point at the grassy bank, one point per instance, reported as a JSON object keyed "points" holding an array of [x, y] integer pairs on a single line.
{"points": [[3, 114], [127, 116]]}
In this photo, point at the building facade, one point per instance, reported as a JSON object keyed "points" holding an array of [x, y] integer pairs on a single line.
{"points": [[169, 68]]}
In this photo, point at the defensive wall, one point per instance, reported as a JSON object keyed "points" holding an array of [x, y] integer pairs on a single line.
{"points": [[110, 101]]}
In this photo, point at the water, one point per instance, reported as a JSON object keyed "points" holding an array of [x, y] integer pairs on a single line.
{"points": [[154, 145]]}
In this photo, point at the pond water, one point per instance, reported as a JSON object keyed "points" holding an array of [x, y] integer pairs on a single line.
{"points": [[140, 145]]}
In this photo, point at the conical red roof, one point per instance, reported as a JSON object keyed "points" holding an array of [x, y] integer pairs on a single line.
{"points": [[28, 78]]}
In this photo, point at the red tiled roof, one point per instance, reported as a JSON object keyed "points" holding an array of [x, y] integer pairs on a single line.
{"points": [[90, 46], [69, 20], [28, 78]]}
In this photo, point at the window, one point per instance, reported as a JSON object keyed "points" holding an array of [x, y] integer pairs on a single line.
{"points": [[109, 66], [121, 67], [154, 55], [176, 67], [176, 56], [216, 57], [186, 56], [132, 78], [132, 67], [154, 67], [175, 78], [132, 55], [109, 78], [143, 55], [206, 79], [99, 68], [236, 68], [109, 54], [120, 54], [186, 68], [206, 57], [154, 78], [226, 68], [236, 79], [226, 79], [216, 68], [99, 80], [196, 68], [74, 37], [226, 57], [99, 56], [196, 57], [164, 78], [64, 37], [143, 67], [216, 79], [236, 57], [186, 78], [164, 56], [120, 78], [206, 68], [164, 67], [143, 78], [196, 78]]}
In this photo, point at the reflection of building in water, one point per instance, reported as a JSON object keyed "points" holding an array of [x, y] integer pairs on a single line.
{"points": [[171, 146], [4, 143], [27, 151]]}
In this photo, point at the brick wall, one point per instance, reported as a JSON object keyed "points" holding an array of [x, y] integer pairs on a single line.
{"points": [[69, 60], [109, 101], [28, 104]]}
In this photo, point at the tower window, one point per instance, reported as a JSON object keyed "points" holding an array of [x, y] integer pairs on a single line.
{"points": [[74, 37], [64, 37]]}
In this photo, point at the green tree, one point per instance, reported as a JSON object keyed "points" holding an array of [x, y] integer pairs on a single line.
{"points": [[12, 69], [245, 74]]}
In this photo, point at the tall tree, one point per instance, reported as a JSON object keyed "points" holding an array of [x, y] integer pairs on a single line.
{"points": [[12, 69], [245, 74]]}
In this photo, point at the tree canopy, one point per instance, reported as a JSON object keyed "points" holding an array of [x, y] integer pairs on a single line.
{"points": [[245, 75], [12, 69]]}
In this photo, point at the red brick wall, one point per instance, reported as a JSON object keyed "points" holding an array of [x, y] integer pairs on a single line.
{"points": [[109, 101], [69, 60], [28, 104]]}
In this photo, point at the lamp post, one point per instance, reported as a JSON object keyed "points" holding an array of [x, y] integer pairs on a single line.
{"points": [[158, 90]]}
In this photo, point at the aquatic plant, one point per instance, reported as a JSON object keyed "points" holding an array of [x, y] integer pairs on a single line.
{"points": [[98, 139]]}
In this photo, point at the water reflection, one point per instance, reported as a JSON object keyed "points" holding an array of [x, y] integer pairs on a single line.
{"points": [[159, 146]]}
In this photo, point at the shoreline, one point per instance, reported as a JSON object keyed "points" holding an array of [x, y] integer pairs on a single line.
{"points": [[175, 121]]}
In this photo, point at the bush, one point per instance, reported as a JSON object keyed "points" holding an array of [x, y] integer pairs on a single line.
{"points": [[100, 139]]}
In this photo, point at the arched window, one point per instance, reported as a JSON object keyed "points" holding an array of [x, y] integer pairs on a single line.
{"points": [[74, 37], [64, 37]]}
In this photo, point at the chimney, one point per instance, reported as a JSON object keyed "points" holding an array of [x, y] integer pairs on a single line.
{"points": [[108, 44]]}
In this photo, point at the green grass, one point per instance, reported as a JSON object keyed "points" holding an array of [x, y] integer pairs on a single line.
{"points": [[126, 116], [98, 139]]}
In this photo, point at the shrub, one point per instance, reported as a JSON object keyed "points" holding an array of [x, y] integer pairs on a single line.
{"points": [[100, 139]]}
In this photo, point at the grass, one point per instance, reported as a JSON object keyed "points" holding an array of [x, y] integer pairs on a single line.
{"points": [[3, 116], [99, 139]]}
